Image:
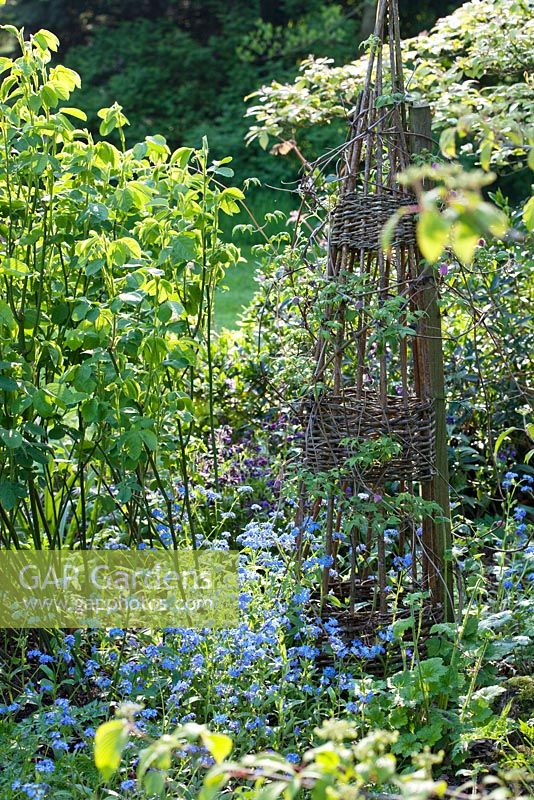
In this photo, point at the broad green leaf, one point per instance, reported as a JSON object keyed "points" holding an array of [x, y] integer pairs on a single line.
{"points": [[403, 625], [108, 154], [149, 438], [528, 214], [43, 403], [464, 240], [8, 384], [12, 439], [132, 246], [226, 172], [154, 783], [6, 316], [14, 267], [500, 439], [132, 297], [432, 233], [110, 741], [184, 246], [447, 142], [49, 96], [219, 745], [133, 444], [46, 40], [228, 200], [181, 156], [74, 112], [5, 63], [10, 492]]}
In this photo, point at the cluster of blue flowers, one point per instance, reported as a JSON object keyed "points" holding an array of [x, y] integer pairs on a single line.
{"points": [[33, 791], [247, 680], [525, 483]]}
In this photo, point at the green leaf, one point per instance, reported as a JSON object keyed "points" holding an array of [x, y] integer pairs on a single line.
{"points": [[149, 438], [110, 741], [12, 439], [403, 625], [228, 200], [74, 112], [432, 233], [8, 384], [219, 745], [500, 439], [264, 140], [528, 214], [132, 245], [5, 63], [134, 445], [108, 154], [464, 240], [14, 267], [181, 156], [49, 96], [46, 40], [485, 154], [226, 172], [184, 246], [154, 783], [132, 297], [10, 492], [43, 403], [6, 316], [447, 142]]}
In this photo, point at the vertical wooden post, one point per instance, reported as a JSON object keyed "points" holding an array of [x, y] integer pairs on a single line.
{"points": [[420, 127]]}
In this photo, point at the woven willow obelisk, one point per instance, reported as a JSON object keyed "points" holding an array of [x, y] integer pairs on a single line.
{"points": [[370, 417]]}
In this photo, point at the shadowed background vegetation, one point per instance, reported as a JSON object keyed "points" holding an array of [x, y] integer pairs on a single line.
{"points": [[183, 69]]}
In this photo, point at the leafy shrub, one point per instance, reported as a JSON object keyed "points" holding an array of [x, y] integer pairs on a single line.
{"points": [[110, 259], [477, 91]]}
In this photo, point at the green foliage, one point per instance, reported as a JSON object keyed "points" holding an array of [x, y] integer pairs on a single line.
{"points": [[110, 741], [157, 70], [110, 259], [343, 764], [473, 68], [454, 212]]}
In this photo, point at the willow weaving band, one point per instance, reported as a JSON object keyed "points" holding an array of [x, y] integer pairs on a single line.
{"points": [[358, 220], [336, 425]]}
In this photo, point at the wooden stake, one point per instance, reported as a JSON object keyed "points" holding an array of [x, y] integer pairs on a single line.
{"points": [[420, 126]]}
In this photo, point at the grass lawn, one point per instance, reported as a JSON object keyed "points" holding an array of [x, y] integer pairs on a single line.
{"points": [[241, 286], [240, 278]]}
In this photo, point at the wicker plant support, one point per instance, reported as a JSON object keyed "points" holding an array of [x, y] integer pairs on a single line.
{"points": [[363, 625], [358, 220], [334, 418], [374, 375]]}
